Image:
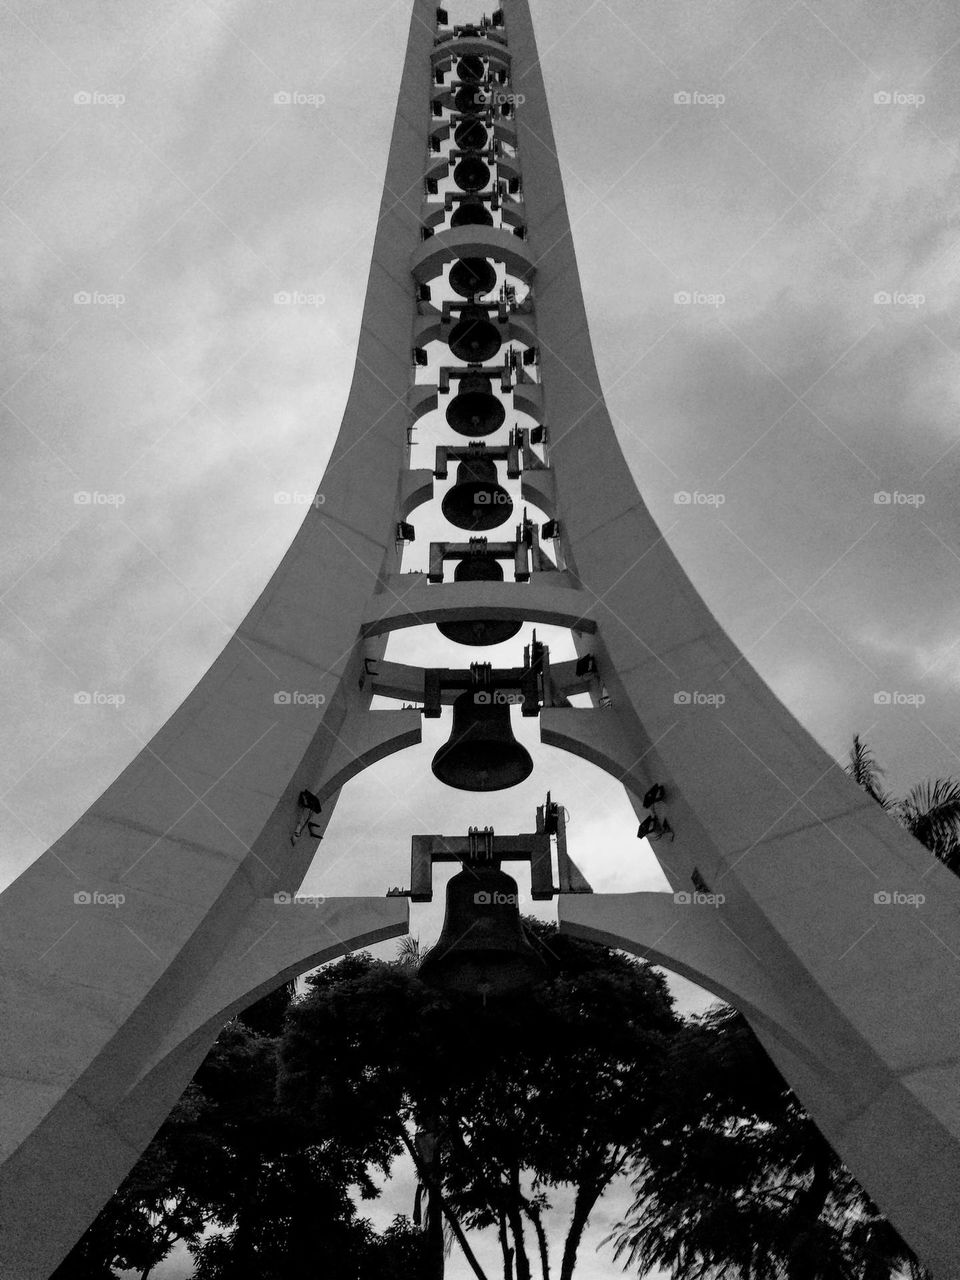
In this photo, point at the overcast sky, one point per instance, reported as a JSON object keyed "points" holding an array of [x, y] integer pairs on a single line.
{"points": [[785, 166]]}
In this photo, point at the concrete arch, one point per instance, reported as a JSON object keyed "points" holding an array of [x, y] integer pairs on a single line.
{"points": [[462, 46], [517, 328], [432, 255], [689, 941], [410, 601]]}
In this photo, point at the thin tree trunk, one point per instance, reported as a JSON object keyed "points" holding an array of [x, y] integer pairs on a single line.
{"points": [[587, 1197], [534, 1215], [515, 1218], [808, 1204], [434, 1188], [505, 1245]]}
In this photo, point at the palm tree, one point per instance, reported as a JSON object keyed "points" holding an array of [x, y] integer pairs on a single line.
{"points": [[930, 810]]}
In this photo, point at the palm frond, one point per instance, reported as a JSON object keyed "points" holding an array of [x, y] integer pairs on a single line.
{"points": [[409, 952], [866, 772], [931, 813]]}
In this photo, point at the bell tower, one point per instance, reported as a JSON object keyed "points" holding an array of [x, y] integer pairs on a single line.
{"points": [[156, 917]]}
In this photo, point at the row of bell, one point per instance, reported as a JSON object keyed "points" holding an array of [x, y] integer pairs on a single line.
{"points": [[481, 948]]}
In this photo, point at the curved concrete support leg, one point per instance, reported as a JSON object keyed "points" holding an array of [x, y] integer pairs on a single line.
{"points": [[58, 1181], [689, 939]]}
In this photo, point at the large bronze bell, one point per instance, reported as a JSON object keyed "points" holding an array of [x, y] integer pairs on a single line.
{"points": [[481, 948], [471, 69], [481, 754], [471, 213], [477, 501], [474, 337], [474, 411], [479, 567], [472, 275], [470, 135], [471, 174], [469, 99]]}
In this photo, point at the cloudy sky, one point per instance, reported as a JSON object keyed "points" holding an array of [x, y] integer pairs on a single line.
{"points": [[764, 201]]}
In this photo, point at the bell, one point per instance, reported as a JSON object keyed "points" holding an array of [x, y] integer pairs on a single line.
{"points": [[472, 275], [477, 502], [471, 174], [470, 135], [481, 948], [482, 754], [480, 567], [469, 98], [474, 411], [471, 69], [474, 337], [471, 213]]}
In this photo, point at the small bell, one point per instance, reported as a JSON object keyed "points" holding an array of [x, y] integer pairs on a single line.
{"points": [[471, 69], [481, 949], [469, 276], [474, 411], [479, 567], [471, 212], [469, 99], [477, 501], [470, 135], [481, 754], [471, 174], [474, 338]]}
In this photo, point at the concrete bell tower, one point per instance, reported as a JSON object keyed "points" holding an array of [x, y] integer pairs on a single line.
{"points": [[107, 1014]]}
